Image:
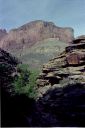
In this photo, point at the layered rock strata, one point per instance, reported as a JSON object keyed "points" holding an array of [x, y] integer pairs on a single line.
{"points": [[67, 68]]}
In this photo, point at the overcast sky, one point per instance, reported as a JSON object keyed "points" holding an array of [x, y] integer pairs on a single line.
{"points": [[64, 13]]}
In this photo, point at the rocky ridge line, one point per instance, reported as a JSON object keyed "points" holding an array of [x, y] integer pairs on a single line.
{"points": [[33, 32]]}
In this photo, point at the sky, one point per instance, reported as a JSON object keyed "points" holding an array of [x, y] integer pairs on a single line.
{"points": [[64, 13]]}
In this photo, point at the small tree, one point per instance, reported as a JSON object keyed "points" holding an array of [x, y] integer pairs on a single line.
{"points": [[25, 82]]}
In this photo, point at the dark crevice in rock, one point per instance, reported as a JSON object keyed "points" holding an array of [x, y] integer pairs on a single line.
{"points": [[73, 47], [53, 80]]}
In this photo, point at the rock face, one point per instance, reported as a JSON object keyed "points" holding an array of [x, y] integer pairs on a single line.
{"points": [[36, 40], [7, 68], [67, 68], [35, 31], [2, 33]]}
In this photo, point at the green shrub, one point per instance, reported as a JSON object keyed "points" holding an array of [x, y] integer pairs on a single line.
{"points": [[25, 82]]}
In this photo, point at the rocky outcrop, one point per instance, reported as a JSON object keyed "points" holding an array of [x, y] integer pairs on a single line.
{"points": [[67, 68], [79, 39], [61, 88], [7, 68]]}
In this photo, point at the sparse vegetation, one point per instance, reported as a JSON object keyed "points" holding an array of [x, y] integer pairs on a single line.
{"points": [[42, 52]]}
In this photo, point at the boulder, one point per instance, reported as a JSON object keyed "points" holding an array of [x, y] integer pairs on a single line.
{"points": [[75, 58]]}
